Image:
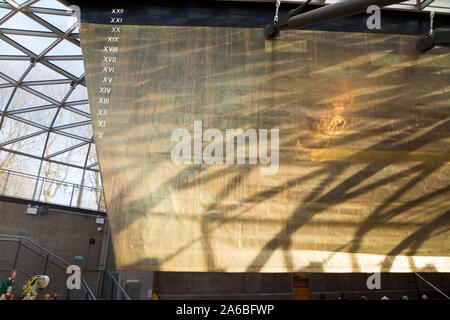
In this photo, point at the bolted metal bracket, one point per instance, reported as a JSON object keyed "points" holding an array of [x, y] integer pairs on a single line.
{"points": [[271, 31]]}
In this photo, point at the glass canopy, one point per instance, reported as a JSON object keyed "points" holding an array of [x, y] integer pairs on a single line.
{"points": [[47, 151]]}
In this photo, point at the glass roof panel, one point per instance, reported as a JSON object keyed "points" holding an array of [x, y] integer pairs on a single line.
{"points": [[58, 142], [92, 179], [79, 93], [56, 91], [63, 23], [35, 106], [62, 173], [5, 93], [14, 69], [7, 49], [92, 155], [42, 117], [19, 163], [34, 44], [65, 48], [3, 12], [22, 22], [41, 72], [23, 99], [75, 67], [12, 129], [82, 131], [33, 145], [76, 156], [66, 117], [52, 4], [82, 107]]}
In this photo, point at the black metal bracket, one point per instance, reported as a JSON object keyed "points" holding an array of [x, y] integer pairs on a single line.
{"points": [[438, 38], [294, 20], [273, 30]]}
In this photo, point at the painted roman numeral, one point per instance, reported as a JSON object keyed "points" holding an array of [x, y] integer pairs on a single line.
{"points": [[109, 59], [103, 100], [110, 49], [104, 90], [108, 69]]}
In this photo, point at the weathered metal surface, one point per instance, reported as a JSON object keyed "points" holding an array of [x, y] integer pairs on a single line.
{"points": [[363, 122]]}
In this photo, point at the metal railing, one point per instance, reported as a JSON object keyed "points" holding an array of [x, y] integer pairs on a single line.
{"points": [[50, 259], [58, 275], [35, 188], [117, 285]]}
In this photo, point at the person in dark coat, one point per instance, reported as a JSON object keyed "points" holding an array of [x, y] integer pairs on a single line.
{"points": [[8, 282]]}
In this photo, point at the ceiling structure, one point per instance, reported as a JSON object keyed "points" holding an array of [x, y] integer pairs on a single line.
{"points": [[439, 6], [45, 121]]}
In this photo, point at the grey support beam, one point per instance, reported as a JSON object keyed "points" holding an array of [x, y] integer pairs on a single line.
{"points": [[22, 138], [15, 58], [31, 109], [73, 136], [425, 4], [325, 13], [334, 11], [28, 122], [67, 150], [33, 9], [49, 160], [72, 125], [31, 33]]}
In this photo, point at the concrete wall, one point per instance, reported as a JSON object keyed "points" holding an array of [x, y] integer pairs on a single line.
{"points": [[215, 285], [64, 234], [393, 285], [139, 279], [196, 285]]}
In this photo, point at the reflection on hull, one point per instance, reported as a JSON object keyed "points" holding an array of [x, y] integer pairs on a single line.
{"points": [[363, 121]]}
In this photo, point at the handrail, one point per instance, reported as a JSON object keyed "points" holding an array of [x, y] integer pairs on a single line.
{"points": [[17, 173], [127, 297], [35, 243], [431, 285], [20, 240], [39, 180]]}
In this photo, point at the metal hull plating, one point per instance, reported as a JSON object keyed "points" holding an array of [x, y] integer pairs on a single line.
{"points": [[363, 124]]}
